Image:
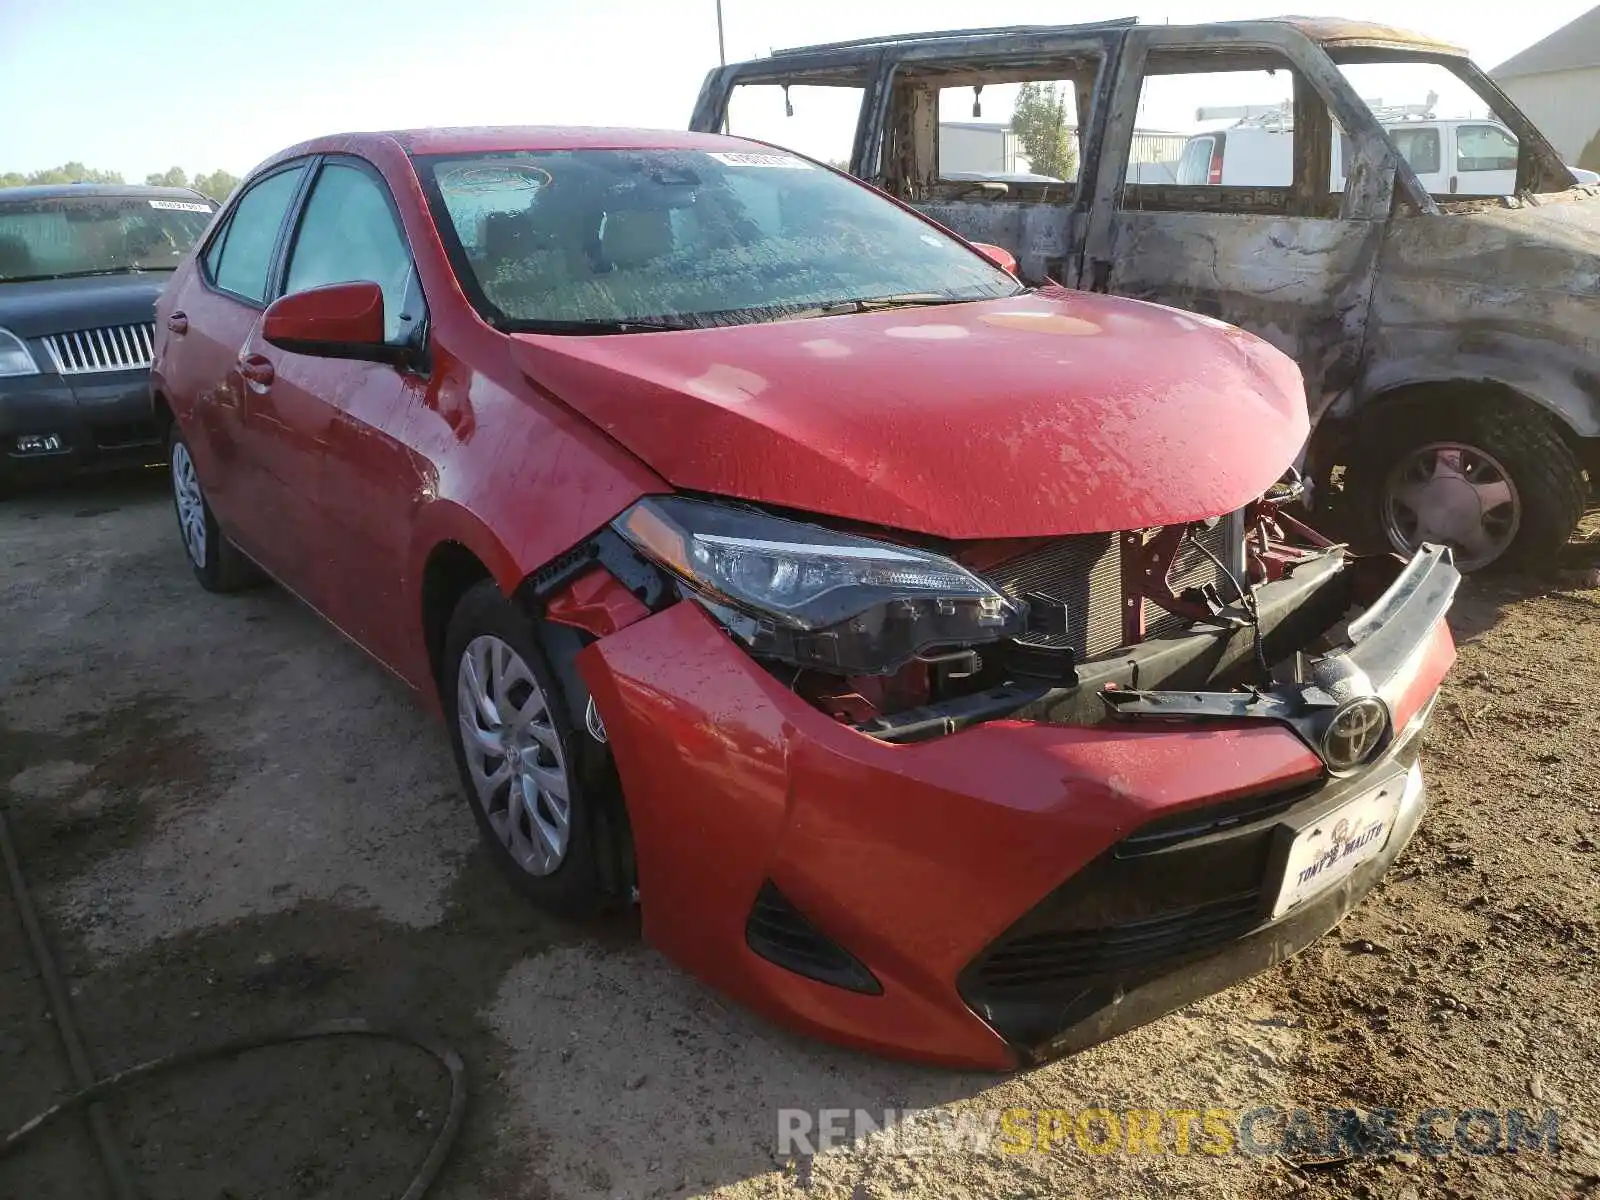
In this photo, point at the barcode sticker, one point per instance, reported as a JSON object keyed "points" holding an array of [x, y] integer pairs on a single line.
{"points": [[180, 206], [738, 159]]}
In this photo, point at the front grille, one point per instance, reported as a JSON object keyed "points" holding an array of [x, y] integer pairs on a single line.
{"points": [[109, 348], [1084, 572], [1066, 956]]}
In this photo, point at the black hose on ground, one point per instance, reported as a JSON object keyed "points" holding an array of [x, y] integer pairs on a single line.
{"points": [[91, 1091]]}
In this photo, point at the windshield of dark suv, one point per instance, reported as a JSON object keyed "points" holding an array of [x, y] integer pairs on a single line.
{"points": [[62, 236], [619, 240]]}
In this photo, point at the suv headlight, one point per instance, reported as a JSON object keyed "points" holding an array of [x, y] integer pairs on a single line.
{"points": [[14, 356], [814, 597]]}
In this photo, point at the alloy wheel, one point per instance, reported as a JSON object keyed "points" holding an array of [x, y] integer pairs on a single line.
{"points": [[1455, 495], [191, 505], [513, 753]]}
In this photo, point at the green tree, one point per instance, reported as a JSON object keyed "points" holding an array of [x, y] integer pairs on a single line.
{"points": [[72, 172], [218, 185], [1589, 160], [1040, 122], [171, 177]]}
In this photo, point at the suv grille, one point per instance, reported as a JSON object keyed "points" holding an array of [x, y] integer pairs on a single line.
{"points": [[109, 348], [1085, 572]]}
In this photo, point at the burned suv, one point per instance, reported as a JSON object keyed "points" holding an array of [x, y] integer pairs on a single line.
{"points": [[1448, 340], [81, 266]]}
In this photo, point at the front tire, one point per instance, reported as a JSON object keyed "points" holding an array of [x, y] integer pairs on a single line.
{"points": [[1492, 479], [218, 564], [541, 787]]}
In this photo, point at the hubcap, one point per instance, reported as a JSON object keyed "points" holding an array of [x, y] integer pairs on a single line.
{"points": [[1454, 495], [513, 754], [191, 508]]}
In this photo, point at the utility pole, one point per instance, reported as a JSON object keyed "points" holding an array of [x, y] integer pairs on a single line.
{"points": [[722, 54]]}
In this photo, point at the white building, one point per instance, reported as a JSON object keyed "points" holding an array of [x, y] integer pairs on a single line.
{"points": [[1557, 83]]}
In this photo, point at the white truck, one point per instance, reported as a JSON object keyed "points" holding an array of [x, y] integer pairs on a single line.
{"points": [[1453, 157]]}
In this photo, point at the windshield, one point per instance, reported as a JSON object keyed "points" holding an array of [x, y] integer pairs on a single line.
{"points": [[567, 240], [96, 235]]}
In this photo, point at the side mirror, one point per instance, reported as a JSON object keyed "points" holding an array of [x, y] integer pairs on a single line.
{"points": [[338, 320], [998, 255]]}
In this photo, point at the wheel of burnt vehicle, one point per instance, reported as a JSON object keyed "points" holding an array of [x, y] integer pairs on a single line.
{"points": [[538, 776], [218, 564], [1492, 479]]}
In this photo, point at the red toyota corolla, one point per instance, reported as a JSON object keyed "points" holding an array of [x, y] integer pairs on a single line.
{"points": [[930, 657]]}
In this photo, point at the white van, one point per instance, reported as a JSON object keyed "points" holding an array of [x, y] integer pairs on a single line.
{"points": [[1450, 157]]}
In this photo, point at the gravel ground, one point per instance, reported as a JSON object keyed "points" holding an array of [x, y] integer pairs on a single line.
{"points": [[233, 820]]}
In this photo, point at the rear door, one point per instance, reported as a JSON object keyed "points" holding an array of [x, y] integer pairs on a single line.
{"points": [[344, 420], [213, 327], [1293, 263]]}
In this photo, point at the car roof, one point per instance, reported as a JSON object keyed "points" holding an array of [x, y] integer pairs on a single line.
{"points": [[490, 139], [52, 191], [1329, 31]]}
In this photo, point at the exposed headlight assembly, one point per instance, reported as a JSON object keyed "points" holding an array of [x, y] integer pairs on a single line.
{"points": [[14, 356], [814, 597]]}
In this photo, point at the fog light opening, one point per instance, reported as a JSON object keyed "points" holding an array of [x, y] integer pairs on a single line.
{"points": [[39, 443]]}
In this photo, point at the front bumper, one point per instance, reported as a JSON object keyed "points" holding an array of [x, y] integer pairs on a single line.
{"points": [[101, 422], [754, 813]]}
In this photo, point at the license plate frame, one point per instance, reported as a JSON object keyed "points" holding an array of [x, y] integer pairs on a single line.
{"points": [[1317, 854]]}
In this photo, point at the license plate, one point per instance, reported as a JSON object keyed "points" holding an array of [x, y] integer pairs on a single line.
{"points": [[1327, 850]]}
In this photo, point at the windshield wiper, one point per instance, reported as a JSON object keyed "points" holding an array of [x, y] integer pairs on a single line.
{"points": [[620, 325], [82, 274]]}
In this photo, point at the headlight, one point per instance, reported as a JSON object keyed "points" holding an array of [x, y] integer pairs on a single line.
{"points": [[814, 597], [14, 356]]}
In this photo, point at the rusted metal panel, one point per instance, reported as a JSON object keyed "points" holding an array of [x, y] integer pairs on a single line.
{"points": [[1301, 283], [1509, 294]]}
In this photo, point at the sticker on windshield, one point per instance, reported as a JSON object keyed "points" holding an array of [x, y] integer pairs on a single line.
{"points": [[180, 206], [494, 177], [740, 159]]}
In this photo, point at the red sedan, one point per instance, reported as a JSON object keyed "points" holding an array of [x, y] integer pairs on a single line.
{"points": [[931, 658]]}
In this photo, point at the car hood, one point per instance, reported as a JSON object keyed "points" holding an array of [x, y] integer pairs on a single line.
{"points": [[1044, 414], [42, 306]]}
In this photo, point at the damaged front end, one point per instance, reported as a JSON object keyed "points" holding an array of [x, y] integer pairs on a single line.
{"points": [[1251, 616]]}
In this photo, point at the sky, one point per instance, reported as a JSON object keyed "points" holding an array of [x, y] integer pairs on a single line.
{"points": [[204, 84]]}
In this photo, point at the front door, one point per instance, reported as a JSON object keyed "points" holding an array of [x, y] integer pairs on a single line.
{"points": [[1293, 260], [342, 420]]}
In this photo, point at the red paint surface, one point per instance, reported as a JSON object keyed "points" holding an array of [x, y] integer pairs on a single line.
{"points": [[596, 603], [1047, 414], [350, 313], [915, 857]]}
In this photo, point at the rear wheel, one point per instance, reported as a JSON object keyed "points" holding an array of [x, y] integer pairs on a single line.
{"points": [[218, 564], [539, 780], [1492, 479]]}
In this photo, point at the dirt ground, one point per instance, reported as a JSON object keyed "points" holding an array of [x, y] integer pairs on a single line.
{"points": [[234, 821]]}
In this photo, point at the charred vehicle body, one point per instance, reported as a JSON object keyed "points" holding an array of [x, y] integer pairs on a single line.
{"points": [[901, 637], [1450, 343]]}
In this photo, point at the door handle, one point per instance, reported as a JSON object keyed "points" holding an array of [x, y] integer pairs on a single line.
{"points": [[179, 323], [257, 372], [1452, 185]]}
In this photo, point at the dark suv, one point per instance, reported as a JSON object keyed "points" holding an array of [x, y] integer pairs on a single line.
{"points": [[81, 266]]}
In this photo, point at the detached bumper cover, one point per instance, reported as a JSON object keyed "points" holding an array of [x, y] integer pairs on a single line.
{"points": [[923, 861]]}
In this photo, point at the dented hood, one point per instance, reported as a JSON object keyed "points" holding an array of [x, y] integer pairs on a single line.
{"points": [[1045, 414]]}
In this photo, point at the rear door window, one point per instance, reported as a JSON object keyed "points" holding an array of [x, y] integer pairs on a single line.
{"points": [[1194, 168], [244, 263], [1420, 148]]}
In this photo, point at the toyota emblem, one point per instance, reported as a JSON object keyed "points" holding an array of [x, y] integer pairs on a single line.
{"points": [[1355, 733]]}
